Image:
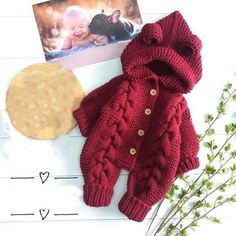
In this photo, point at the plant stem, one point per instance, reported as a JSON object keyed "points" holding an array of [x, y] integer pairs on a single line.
{"points": [[214, 157], [166, 220], [212, 123], [218, 115], [209, 194], [217, 172], [158, 208], [205, 214], [154, 217]]}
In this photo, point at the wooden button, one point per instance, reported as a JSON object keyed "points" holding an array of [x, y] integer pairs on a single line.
{"points": [[147, 111], [153, 92], [141, 132], [132, 151]]}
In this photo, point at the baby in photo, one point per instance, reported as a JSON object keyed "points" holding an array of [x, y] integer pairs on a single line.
{"points": [[76, 23]]}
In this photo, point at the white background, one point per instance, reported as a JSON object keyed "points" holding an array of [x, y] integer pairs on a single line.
{"points": [[20, 46]]}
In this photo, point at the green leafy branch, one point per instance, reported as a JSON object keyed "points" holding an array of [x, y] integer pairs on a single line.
{"points": [[205, 215], [193, 199]]}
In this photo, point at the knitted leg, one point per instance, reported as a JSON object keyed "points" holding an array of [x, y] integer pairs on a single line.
{"points": [[100, 176], [131, 204], [145, 188]]}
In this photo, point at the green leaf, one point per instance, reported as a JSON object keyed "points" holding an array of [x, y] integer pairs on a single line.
{"points": [[204, 181], [197, 204], [171, 227], [182, 233], [227, 87], [207, 205], [199, 193], [194, 224], [221, 156], [234, 126], [209, 157], [185, 214], [215, 219], [199, 136], [234, 97], [233, 154], [222, 188], [210, 132], [230, 128], [182, 193], [207, 144], [233, 182], [227, 129], [169, 230], [192, 186], [221, 108], [184, 177], [210, 144], [171, 193], [219, 198], [233, 168], [227, 147], [176, 187], [196, 214], [232, 199], [222, 97], [210, 170], [224, 170], [208, 118], [214, 147]]}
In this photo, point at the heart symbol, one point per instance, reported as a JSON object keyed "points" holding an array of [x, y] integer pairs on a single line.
{"points": [[44, 176], [43, 213]]}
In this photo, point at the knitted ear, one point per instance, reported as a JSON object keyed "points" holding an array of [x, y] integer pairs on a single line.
{"points": [[151, 34], [190, 46]]}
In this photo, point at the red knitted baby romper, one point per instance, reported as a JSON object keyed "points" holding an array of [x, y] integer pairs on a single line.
{"points": [[140, 121]]}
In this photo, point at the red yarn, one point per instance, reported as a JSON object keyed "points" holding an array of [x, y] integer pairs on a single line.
{"points": [[140, 121]]}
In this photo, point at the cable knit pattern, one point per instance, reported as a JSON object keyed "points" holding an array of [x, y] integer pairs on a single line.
{"points": [[140, 121], [104, 159], [155, 160]]}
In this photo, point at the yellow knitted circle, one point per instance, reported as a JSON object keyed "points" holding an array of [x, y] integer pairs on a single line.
{"points": [[41, 99]]}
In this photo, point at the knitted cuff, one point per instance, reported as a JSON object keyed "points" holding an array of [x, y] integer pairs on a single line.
{"points": [[187, 165], [82, 120], [133, 208], [97, 195]]}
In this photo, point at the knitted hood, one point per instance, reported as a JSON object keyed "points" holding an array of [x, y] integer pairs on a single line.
{"points": [[167, 51]]}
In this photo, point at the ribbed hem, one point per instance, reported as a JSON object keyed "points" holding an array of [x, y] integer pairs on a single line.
{"points": [[133, 208], [187, 165], [97, 195], [82, 120]]}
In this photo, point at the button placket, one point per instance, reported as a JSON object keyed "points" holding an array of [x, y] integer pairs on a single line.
{"points": [[141, 132]]}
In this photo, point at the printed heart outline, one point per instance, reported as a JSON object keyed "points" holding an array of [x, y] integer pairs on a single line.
{"points": [[44, 176], [43, 213]]}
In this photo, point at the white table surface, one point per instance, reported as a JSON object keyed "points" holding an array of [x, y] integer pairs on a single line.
{"points": [[212, 21]]}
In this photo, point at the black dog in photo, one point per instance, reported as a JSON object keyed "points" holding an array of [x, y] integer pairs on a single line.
{"points": [[111, 26]]}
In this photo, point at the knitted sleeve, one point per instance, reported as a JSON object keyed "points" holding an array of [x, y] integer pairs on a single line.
{"points": [[189, 145], [89, 110]]}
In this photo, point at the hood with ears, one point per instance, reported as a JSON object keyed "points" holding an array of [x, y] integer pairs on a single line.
{"points": [[167, 51]]}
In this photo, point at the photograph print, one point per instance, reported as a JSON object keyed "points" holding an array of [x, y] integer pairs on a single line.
{"points": [[81, 32]]}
